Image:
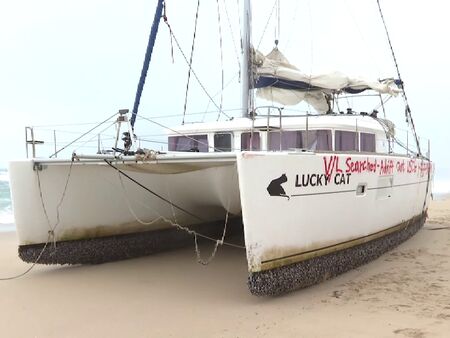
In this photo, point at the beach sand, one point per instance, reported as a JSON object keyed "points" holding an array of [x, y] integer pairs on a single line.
{"points": [[404, 293]]}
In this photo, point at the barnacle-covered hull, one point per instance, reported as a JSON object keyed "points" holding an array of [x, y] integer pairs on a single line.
{"points": [[308, 217]]}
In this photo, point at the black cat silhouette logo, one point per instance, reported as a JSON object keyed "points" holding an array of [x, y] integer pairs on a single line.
{"points": [[275, 188]]}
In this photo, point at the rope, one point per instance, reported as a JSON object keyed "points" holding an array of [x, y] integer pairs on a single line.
{"points": [[175, 224], [162, 218], [152, 192], [34, 263], [428, 185], [407, 108], [170, 28], [190, 60], [51, 232]]}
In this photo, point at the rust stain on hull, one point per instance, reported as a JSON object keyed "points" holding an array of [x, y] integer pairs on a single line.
{"points": [[110, 230]]}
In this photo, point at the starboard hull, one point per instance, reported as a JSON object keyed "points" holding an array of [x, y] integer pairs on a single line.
{"points": [[308, 217]]}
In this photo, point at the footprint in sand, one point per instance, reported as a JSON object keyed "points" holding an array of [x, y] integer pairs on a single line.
{"points": [[408, 332]]}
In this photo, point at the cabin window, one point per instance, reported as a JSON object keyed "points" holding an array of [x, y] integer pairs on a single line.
{"points": [[195, 143], [285, 140], [317, 140], [250, 141], [222, 142], [367, 142], [346, 140]]}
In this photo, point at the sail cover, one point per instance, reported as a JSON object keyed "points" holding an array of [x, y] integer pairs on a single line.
{"points": [[278, 80]]}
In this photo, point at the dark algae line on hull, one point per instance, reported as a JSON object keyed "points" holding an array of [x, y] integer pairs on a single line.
{"points": [[113, 248], [318, 269]]}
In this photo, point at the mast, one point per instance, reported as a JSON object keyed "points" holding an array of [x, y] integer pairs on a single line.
{"points": [[148, 56], [246, 76]]}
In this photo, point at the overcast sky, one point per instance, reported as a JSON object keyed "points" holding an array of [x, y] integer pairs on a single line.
{"points": [[79, 61]]}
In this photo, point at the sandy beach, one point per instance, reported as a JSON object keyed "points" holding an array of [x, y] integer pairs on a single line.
{"points": [[405, 293]]}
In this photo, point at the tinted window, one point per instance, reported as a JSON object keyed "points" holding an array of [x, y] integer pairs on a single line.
{"points": [[247, 140], [222, 142], [317, 140], [368, 142], [285, 140], [346, 140], [198, 143]]}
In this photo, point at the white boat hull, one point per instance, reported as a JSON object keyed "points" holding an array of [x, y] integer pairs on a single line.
{"points": [[312, 216], [303, 213], [97, 202]]}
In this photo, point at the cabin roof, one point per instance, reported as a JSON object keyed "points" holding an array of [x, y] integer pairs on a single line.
{"points": [[363, 123]]}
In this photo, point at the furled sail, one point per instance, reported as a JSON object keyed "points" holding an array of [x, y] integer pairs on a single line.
{"points": [[278, 80]]}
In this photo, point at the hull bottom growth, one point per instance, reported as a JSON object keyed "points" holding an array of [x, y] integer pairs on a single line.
{"points": [[112, 248], [315, 270]]}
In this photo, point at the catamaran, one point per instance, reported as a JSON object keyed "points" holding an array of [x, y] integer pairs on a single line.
{"points": [[317, 193]]}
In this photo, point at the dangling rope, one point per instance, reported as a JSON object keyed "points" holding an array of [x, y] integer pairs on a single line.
{"points": [[409, 118], [190, 61], [217, 242], [34, 263], [51, 233], [152, 192]]}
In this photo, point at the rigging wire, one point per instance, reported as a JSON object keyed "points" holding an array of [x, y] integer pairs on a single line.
{"points": [[190, 60], [182, 134], [219, 22], [95, 136], [409, 118], [277, 27], [78, 138], [267, 24], [293, 21], [230, 26], [237, 75], [240, 32], [199, 112], [368, 47], [172, 34], [242, 76]]}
